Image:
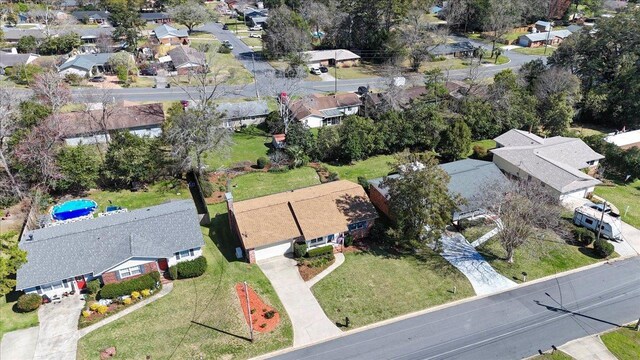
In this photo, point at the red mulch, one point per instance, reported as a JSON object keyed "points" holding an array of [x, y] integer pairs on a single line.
{"points": [[259, 307]]}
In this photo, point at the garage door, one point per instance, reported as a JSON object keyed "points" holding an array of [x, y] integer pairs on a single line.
{"points": [[274, 250]]}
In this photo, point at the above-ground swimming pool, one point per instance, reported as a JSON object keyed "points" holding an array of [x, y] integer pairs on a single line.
{"points": [[73, 208]]}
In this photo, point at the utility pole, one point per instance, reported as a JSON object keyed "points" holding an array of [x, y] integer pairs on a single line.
{"points": [[335, 72], [246, 292], [255, 78], [601, 219]]}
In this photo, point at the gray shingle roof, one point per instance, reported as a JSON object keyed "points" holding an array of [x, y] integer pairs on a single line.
{"points": [[548, 35], [154, 16], [447, 49], [516, 137], [81, 15], [8, 59], [468, 178], [96, 245], [555, 161], [181, 55], [165, 30], [86, 61], [243, 109]]}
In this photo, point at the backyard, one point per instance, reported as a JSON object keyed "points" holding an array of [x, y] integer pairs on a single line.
{"points": [[374, 285], [246, 147], [371, 168], [154, 195], [201, 317], [624, 196], [257, 184], [624, 343]]}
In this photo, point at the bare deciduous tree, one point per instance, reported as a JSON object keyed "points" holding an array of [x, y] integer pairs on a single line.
{"points": [[37, 153], [502, 16], [420, 38], [50, 88], [554, 81], [8, 104], [99, 108]]}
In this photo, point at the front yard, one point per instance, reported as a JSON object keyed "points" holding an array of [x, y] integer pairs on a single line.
{"points": [[624, 343], [11, 320], [623, 196], [538, 258], [375, 285], [201, 317], [539, 51]]}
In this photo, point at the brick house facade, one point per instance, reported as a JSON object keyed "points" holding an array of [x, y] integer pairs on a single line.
{"points": [[114, 277]]}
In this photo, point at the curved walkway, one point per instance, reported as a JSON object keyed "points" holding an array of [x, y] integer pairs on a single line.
{"points": [[484, 279], [339, 261], [310, 323]]}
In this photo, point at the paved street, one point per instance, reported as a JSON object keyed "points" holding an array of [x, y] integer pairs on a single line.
{"points": [[509, 325]]}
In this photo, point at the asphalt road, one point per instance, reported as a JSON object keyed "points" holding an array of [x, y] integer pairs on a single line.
{"points": [[268, 85], [510, 325]]}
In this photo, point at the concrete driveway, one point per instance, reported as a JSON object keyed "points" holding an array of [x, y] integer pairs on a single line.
{"points": [[484, 279], [20, 344], [310, 323], [58, 334]]}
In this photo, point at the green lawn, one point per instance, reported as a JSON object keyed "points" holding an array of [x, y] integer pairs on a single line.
{"points": [[356, 72], [373, 286], [371, 168], [155, 195], [247, 147], [447, 64], [257, 184], [624, 343], [488, 144], [201, 318], [556, 355], [538, 258], [252, 41], [535, 51], [11, 320], [622, 196]]}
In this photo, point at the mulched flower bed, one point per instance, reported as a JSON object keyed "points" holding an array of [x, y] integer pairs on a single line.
{"points": [[307, 272], [259, 310]]}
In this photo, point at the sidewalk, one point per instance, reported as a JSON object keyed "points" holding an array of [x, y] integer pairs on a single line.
{"points": [[339, 261], [588, 348]]}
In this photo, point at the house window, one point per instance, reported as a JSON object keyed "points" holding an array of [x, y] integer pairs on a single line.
{"points": [[184, 254], [357, 226], [316, 241], [331, 237], [588, 221], [131, 271], [331, 121], [49, 287]]}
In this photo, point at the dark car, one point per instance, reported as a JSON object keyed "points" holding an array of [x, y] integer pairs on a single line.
{"points": [[149, 71], [362, 90], [225, 27], [324, 69], [98, 79]]}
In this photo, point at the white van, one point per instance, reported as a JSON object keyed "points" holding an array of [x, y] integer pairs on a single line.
{"points": [[589, 217]]}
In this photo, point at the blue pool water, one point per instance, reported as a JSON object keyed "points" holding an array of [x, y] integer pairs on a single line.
{"points": [[73, 209]]}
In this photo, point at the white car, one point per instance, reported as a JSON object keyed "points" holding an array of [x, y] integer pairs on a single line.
{"points": [[254, 35], [316, 71], [255, 28]]}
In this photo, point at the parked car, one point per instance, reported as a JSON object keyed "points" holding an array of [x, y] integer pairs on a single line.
{"points": [[254, 35], [227, 44], [225, 27], [324, 69], [316, 71], [98, 78], [255, 28], [362, 90], [149, 71]]}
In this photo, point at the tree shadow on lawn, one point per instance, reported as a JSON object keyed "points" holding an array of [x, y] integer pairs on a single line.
{"points": [[590, 253], [221, 235]]}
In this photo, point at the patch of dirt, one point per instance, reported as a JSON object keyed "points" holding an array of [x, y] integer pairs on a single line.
{"points": [[111, 82], [219, 181], [309, 273], [259, 310], [13, 217]]}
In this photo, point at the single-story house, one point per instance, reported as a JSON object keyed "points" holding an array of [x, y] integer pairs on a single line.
{"points": [[539, 39], [372, 102], [575, 28], [166, 34], [542, 26], [456, 49], [91, 17], [156, 17], [324, 110], [323, 214], [279, 141], [469, 179], [86, 65], [90, 36], [338, 57], [141, 120], [8, 60], [243, 113], [111, 248], [186, 59], [256, 17], [559, 163], [624, 139], [13, 35]]}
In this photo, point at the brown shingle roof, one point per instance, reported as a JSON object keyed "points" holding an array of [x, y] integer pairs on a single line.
{"points": [[309, 212], [313, 104], [80, 123]]}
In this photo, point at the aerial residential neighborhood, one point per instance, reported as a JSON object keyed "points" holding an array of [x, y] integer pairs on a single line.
{"points": [[319, 179]]}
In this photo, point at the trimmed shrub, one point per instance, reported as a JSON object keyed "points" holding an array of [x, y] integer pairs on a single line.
{"points": [[262, 162], [479, 152], [126, 301], [206, 187], [603, 248], [269, 314], [94, 306], [299, 249], [93, 286], [323, 250], [145, 292], [173, 272], [348, 240], [135, 295], [224, 50], [86, 313], [28, 302], [583, 236], [192, 268], [146, 281], [102, 309], [333, 176]]}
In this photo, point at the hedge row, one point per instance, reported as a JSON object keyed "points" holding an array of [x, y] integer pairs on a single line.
{"points": [[323, 250], [126, 287], [192, 268]]}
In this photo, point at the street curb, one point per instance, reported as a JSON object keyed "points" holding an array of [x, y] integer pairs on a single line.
{"points": [[441, 307]]}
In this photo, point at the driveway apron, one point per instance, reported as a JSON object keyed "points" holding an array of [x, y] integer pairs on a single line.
{"points": [[19, 344], [484, 279], [310, 323], [58, 335]]}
